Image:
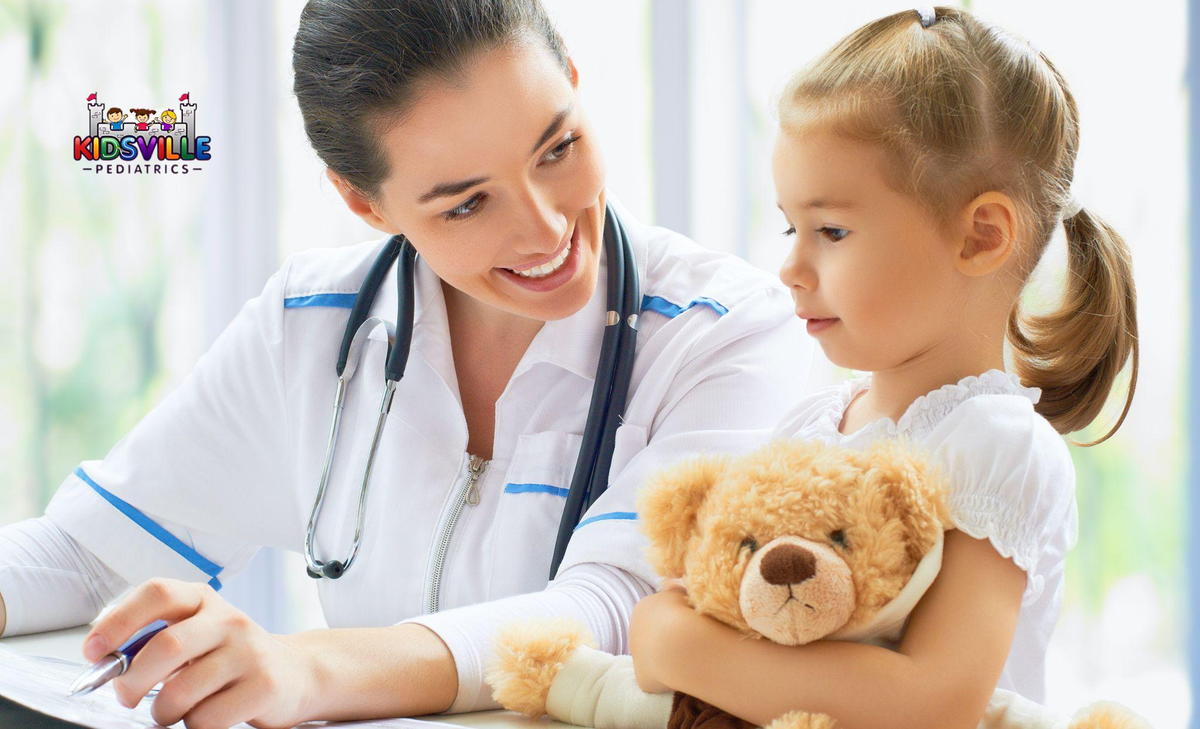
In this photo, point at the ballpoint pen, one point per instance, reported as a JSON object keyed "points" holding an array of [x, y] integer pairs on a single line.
{"points": [[117, 662]]}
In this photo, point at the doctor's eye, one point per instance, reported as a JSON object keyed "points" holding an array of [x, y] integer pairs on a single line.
{"points": [[749, 543], [466, 209], [790, 231], [833, 234], [563, 150]]}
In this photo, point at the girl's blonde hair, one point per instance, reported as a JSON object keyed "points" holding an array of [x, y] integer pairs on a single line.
{"points": [[962, 107]]}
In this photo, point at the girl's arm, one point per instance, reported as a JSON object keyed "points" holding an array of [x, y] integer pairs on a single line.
{"points": [[942, 675]]}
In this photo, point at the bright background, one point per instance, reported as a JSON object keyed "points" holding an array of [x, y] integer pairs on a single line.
{"points": [[112, 286]]}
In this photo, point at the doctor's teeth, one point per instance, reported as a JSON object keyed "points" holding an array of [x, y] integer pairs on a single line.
{"points": [[546, 268]]}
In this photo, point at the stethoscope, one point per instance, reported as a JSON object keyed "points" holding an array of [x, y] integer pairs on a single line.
{"points": [[605, 411]]}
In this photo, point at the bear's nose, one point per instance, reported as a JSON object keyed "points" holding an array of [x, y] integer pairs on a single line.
{"points": [[787, 564]]}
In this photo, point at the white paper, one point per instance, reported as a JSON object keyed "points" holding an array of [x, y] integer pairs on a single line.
{"points": [[42, 683]]}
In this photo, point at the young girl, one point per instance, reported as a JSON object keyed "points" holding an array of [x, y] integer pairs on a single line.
{"points": [[923, 164]]}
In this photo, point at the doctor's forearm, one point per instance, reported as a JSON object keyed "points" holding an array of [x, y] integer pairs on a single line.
{"points": [[370, 673]]}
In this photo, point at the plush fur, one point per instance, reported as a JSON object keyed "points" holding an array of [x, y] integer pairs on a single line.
{"points": [[791, 543], [528, 657], [885, 503]]}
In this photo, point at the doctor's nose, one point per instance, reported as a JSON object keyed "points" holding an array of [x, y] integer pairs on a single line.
{"points": [[540, 226]]}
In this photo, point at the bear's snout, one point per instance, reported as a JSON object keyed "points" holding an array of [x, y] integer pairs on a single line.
{"points": [[787, 564], [796, 590]]}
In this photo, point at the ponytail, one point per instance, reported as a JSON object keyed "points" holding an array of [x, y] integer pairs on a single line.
{"points": [[1075, 354], [959, 106]]}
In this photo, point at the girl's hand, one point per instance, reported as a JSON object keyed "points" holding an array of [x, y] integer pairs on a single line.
{"points": [[656, 620], [218, 667]]}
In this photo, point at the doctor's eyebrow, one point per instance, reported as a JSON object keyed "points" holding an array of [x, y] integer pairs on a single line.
{"points": [[451, 189], [555, 124]]}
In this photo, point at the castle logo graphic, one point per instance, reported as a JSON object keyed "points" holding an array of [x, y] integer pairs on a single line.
{"points": [[164, 144]]}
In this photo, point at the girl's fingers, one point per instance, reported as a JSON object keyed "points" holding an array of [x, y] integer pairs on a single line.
{"points": [[166, 653], [192, 685], [165, 599]]}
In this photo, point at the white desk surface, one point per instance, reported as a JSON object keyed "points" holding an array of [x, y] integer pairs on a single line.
{"points": [[65, 644]]}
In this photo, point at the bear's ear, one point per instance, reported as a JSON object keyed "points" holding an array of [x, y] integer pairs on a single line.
{"points": [[916, 489], [668, 505]]}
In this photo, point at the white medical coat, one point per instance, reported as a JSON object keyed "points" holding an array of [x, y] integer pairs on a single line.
{"points": [[231, 459]]}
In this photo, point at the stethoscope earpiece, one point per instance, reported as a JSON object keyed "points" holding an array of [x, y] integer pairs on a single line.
{"points": [[331, 570]]}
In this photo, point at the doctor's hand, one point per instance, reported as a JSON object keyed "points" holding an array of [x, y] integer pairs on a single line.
{"points": [[218, 667]]}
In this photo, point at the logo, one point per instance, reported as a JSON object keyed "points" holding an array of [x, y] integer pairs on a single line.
{"points": [[164, 144]]}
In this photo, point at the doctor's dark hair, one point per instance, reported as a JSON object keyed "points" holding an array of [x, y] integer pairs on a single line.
{"points": [[358, 64], [959, 107]]}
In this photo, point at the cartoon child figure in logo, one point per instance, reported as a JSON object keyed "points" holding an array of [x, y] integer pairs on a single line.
{"points": [[143, 118], [116, 118], [168, 120]]}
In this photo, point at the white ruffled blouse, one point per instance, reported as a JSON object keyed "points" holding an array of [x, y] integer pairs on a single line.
{"points": [[1011, 482]]}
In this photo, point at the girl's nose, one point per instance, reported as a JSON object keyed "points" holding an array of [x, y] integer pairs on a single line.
{"points": [[797, 270]]}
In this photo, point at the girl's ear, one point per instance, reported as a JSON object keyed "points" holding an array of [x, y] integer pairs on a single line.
{"points": [[989, 233], [359, 204], [668, 506]]}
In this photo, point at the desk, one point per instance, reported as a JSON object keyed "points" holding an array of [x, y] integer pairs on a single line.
{"points": [[65, 644]]}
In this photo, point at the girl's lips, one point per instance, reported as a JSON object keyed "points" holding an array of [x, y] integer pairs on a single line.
{"points": [[554, 280], [815, 326]]}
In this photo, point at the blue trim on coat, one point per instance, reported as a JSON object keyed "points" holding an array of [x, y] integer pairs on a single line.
{"points": [[659, 305], [608, 515], [156, 530], [340, 301], [535, 488]]}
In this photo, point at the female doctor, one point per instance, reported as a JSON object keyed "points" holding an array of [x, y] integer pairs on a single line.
{"points": [[458, 124]]}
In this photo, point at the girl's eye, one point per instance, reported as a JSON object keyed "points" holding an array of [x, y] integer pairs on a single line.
{"points": [[466, 209], [834, 234], [838, 537], [560, 152], [749, 543]]}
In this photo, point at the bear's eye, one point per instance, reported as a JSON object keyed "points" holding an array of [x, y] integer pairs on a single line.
{"points": [[750, 543], [838, 537]]}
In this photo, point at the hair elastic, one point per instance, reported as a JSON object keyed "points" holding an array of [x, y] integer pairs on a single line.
{"points": [[1072, 207], [928, 15]]}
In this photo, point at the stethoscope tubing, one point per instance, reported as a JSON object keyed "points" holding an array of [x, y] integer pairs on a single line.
{"points": [[606, 409], [613, 370]]}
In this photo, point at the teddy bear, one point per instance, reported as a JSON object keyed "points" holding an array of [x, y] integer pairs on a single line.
{"points": [[794, 542]]}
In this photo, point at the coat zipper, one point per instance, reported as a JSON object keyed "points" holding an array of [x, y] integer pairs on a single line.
{"points": [[468, 494]]}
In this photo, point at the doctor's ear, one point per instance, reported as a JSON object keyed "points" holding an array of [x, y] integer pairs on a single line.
{"points": [[359, 203], [574, 73], [988, 236]]}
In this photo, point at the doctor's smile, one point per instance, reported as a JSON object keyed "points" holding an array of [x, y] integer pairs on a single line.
{"points": [[550, 274]]}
